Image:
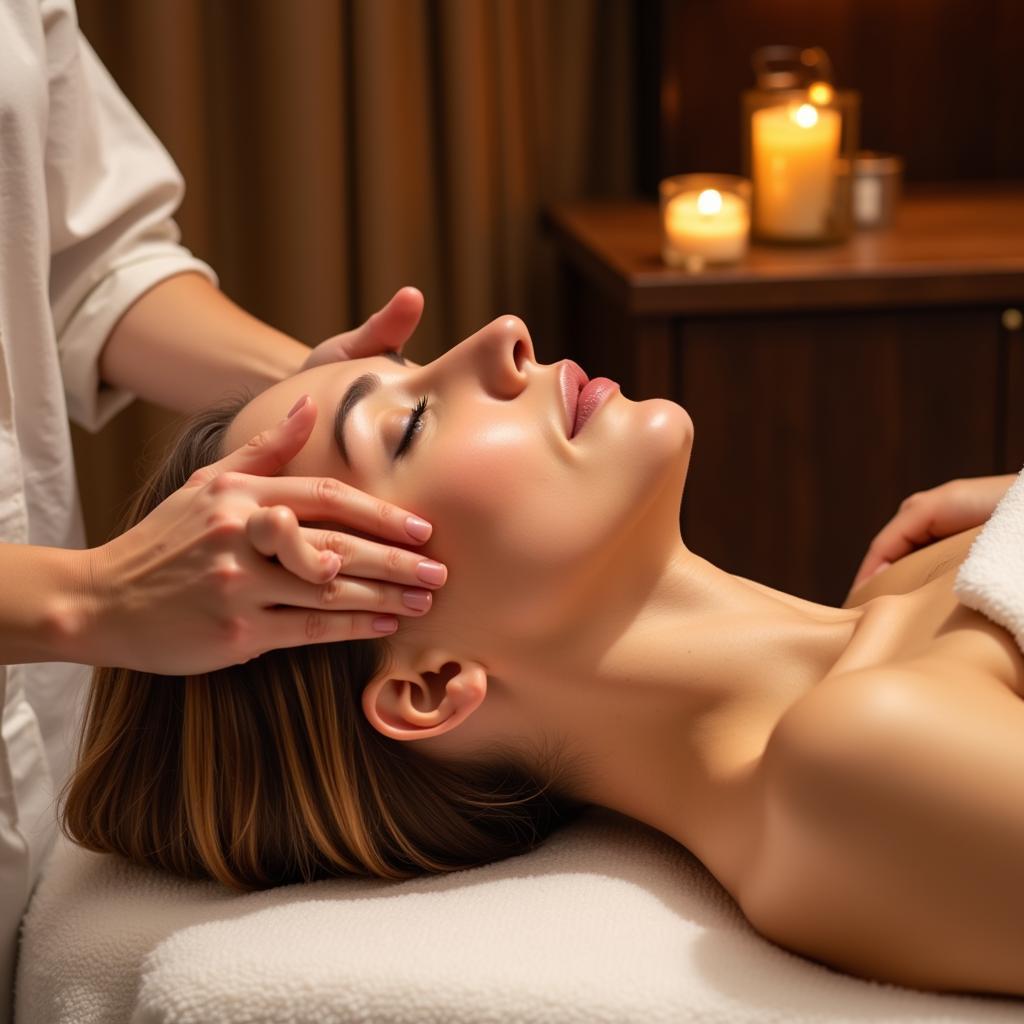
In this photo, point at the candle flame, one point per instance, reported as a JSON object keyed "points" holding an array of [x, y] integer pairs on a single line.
{"points": [[805, 115], [820, 93], [709, 201]]}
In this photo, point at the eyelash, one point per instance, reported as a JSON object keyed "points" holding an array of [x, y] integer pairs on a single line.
{"points": [[413, 425]]}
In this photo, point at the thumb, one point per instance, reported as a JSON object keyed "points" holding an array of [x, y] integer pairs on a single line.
{"points": [[387, 329], [270, 450]]}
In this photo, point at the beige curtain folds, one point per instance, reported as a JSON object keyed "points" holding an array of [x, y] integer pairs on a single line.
{"points": [[335, 151]]}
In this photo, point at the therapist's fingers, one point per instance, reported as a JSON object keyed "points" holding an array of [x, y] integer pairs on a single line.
{"points": [[911, 528], [897, 538], [370, 560], [386, 330], [872, 565], [325, 499], [342, 594], [933, 514], [317, 555], [267, 452], [275, 532], [294, 627]]}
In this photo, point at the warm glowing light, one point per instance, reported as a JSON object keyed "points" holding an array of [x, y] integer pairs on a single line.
{"points": [[805, 115], [704, 225], [820, 93], [709, 201]]}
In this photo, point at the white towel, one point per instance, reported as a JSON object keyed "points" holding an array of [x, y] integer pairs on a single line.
{"points": [[608, 921], [991, 578]]}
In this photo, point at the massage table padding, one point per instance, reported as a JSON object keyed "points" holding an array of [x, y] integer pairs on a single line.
{"points": [[609, 920]]}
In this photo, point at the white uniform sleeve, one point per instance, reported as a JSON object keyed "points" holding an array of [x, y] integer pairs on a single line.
{"points": [[111, 189]]}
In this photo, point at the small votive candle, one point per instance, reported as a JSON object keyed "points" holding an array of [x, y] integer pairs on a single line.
{"points": [[705, 219]]}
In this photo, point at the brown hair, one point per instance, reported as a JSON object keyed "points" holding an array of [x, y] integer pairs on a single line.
{"points": [[268, 772]]}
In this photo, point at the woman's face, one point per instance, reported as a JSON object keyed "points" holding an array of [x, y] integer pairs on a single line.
{"points": [[536, 528]]}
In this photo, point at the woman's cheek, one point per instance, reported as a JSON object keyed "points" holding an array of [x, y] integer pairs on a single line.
{"points": [[528, 536], [510, 517], [484, 483]]}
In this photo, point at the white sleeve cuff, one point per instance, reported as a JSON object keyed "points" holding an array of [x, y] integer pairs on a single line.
{"points": [[84, 335]]}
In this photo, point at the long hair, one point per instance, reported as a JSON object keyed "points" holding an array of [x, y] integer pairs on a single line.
{"points": [[268, 772]]}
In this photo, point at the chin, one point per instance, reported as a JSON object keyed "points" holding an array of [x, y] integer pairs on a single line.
{"points": [[666, 426], [660, 442], [664, 444], [649, 451]]}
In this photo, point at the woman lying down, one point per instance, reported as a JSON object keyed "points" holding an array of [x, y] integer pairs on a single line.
{"points": [[853, 776]]}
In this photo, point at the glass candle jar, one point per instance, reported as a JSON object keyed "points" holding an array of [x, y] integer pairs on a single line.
{"points": [[799, 134], [705, 219]]}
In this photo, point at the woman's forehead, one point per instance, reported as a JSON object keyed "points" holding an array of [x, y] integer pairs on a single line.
{"points": [[325, 384]]}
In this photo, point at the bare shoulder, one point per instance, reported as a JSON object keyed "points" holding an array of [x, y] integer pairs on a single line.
{"points": [[895, 832]]}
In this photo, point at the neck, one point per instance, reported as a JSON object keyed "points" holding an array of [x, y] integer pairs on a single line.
{"points": [[672, 709]]}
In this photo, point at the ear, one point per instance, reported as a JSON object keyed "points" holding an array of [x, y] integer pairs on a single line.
{"points": [[424, 695]]}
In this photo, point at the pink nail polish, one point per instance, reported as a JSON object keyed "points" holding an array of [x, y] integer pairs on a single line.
{"points": [[385, 624], [418, 529], [431, 572]]}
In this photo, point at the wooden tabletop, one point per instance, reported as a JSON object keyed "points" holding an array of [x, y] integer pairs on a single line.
{"points": [[949, 244]]}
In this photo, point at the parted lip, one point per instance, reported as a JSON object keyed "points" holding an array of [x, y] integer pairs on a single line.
{"points": [[571, 381]]}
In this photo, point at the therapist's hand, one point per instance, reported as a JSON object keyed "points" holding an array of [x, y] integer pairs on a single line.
{"points": [[192, 587], [387, 330], [928, 516]]}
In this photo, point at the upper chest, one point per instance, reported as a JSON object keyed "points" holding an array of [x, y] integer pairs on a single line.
{"points": [[913, 616], [894, 796]]}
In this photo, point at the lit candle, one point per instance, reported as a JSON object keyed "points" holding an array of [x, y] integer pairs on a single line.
{"points": [[795, 150], [708, 226]]}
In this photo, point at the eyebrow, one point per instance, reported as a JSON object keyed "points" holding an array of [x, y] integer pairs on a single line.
{"points": [[354, 394]]}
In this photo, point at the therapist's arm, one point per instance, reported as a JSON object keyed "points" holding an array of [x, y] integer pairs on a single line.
{"points": [[183, 344], [30, 619]]}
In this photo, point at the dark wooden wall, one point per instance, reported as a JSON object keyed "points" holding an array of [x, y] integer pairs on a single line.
{"points": [[941, 81]]}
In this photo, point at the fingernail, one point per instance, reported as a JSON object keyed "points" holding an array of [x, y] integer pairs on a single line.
{"points": [[432, 572], [418, 529], [330, 561], [297, 406], [417, 599], [385, 624]]}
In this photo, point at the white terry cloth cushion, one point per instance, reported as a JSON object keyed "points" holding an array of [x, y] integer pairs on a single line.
{"points": [[609, 920], [991, 578]]}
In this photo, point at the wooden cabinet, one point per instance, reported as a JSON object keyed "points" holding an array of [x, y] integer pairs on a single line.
{"points": [[825, 384]]}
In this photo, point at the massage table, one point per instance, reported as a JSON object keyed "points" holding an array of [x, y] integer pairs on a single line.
{"points": [[608, 921]]}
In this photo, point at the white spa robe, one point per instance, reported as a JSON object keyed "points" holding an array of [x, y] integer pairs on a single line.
{"points": [[87, 193]]}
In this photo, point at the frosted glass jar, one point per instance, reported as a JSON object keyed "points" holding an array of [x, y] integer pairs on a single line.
{"points": [[705, 219]]}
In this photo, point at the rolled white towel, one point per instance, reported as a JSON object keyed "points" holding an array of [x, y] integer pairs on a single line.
{"points": [[991, 578]]}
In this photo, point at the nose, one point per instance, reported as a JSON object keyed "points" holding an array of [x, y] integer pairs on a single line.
{"points": [[499, 354]]}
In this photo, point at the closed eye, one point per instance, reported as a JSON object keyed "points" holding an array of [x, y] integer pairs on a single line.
{"points": [[412, 426]]}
